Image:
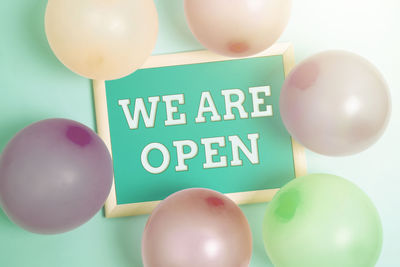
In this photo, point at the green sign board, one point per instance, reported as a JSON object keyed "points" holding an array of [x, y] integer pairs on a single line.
{"points": [[197, 120]]}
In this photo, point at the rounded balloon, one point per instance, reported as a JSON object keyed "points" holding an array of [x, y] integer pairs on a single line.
{"points": [[54, 176], [322, 220], [335, 103], [197, 228], [237, 28], [102, 40]]}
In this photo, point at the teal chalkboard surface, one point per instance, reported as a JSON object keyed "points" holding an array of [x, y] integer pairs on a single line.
{"points": [[197, 120]]}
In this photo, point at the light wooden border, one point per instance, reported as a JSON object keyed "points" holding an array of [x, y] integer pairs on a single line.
{"points": [[111, 207]]}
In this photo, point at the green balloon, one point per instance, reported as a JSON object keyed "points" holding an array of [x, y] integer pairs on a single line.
{"points": [[322, 220]]}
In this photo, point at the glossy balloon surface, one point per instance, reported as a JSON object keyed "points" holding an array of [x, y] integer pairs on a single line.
{"points": [[237, 28], [99, 39], [54, 176], [335, 103], [322, 220], [197, 228]]}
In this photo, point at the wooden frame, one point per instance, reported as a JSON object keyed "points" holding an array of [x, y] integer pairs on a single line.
{"points": [[111, 207]]}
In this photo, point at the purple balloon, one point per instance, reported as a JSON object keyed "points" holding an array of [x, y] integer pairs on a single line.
{"points": [[197, 228], [335, 103], [54, 176]]}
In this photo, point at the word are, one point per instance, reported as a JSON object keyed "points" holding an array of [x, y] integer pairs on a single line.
{"points": [[211, 153], [207, 105]]}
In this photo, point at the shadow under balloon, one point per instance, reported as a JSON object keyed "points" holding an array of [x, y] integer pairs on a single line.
{"points": [[174, 33], [5, 222], [128, 238], [255, 216], [32, 30]]}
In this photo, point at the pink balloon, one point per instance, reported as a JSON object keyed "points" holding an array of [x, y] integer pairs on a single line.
{"points": [[335, 103], [197, 228], [237, 28]]}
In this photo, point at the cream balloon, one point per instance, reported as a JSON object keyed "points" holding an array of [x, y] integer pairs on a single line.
{"points": [[237, 28], [101, 39]]}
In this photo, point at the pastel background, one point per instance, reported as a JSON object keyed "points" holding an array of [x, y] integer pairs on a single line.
{"points": [[35, 86]]}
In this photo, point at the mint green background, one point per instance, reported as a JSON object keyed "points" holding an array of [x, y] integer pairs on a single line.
{"points": [[134, 184], [34, 86]]}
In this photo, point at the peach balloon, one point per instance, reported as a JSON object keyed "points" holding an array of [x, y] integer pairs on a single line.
{"points": [[100, 39], [237, 28], [197, 228]]}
